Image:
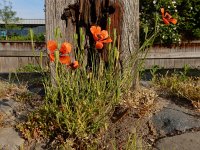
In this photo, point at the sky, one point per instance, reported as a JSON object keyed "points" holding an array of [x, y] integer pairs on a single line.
{"points": [[28, 9]]}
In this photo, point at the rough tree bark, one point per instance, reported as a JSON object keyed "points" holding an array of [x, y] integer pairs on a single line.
{"points": [[126, 20], [53, 12], [84, 13]]}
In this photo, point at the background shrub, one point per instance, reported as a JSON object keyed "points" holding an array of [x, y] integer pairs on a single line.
{"points": [[185, 11]]}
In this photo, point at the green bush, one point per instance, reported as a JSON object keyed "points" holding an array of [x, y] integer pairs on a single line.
{"points": [[36, 38], [30, 68], [185, 11]]}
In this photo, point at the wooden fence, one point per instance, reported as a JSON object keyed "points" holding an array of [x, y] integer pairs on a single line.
{"points": [[14, 55], [175, 56]]}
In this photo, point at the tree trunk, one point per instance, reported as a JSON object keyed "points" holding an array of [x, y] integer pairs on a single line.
{"points": [[53, 12], [126, 21], [84, 13]]}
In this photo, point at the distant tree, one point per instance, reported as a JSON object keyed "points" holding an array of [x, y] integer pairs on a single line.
{"points": [[7, 15]]}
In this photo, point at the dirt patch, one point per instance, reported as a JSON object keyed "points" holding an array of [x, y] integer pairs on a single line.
{"points": [[129, 123]]}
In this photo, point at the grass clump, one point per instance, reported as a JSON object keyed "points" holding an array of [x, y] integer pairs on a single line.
{"points": [[81, 99], [4, 88], [9, 89], [30, 68], [182, 86], [142, 99], [83, 90]]}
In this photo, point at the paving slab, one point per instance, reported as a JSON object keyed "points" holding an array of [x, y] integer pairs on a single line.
{"points": [[8, 110], [172, 119], [10, 139], [7, 106], [187, 141]]}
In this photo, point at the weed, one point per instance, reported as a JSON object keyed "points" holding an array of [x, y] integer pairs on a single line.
{"points": [[186, 69], [6, 89], [30, 68], [79, 102], [153, 72], [133, 143], [181, 86], [81, 96]]}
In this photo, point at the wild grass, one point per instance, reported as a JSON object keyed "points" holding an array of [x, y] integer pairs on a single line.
{"points": [[79, 102], [4, 88], [181, 85], [7, 89], [30, 68], [18, 92]]}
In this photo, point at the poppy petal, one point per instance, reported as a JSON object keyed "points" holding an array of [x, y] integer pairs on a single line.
{"points": [[108, 40], [99, 45], [75, 65], [95, 36], [167, 15], [162, 10], [174, 21], [165, 21], [104, 34], [95, 29], [65, 60], [52, 57], [52, 46], [65, 48]]}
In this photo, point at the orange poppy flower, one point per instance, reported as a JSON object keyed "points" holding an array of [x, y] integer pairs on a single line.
{"points": [[52, 46], [174, 21], [99, 45], [65, 60], [64, 50], [96, 31], [52, 57], [167, 15], [167, 18], [162, 11], [100, 36], [74, 65], [165, 21]]}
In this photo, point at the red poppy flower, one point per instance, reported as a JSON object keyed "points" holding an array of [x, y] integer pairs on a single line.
{"points": [[65, 60], [162, 12], [172, 20], [165, 21], [74, 65], [64, 50], [100, 36], [52, 46], [167, 18]]}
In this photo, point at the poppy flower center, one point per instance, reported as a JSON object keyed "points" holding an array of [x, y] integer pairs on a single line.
{"points": [[99, 36]]}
